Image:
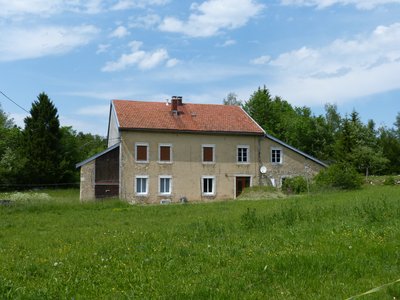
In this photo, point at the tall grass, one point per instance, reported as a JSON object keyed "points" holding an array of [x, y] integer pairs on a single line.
{"points": [[326, 246]]}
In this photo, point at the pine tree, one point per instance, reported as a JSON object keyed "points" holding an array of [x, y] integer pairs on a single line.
{"points": [[42, 142]]}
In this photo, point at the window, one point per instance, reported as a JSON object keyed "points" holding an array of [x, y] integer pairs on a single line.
{"points": [[142, 185], [208, 153], [243, 154], [141, 152], [165, 153], [208, 185], [276, 156], [165, 183]]}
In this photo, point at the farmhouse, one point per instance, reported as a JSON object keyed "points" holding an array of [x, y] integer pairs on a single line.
{"points": [[160, 152]]}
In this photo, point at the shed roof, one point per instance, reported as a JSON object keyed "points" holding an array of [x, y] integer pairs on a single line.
{"points": [[78, 165]]}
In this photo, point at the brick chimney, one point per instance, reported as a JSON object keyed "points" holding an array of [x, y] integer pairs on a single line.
{"points": [[175, 102]]}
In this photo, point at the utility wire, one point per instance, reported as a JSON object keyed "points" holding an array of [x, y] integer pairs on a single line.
{"points": [[14, 102]]}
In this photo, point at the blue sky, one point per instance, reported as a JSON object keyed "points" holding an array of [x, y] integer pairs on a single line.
{"points": [[309, 52]]}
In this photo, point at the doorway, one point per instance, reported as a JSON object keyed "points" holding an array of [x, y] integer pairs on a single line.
{"points": [[242, 182]]}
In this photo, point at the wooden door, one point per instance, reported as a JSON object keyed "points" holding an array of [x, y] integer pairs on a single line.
{"points": [[242, 182]]}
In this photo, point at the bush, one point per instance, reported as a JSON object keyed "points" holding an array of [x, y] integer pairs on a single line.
{"points": [[295, 185], [389, 181], [341, 176]]}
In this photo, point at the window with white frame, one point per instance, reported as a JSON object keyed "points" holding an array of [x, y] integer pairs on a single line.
{"points": [[276, 155], [165, 184], [242, 154], [208, 185], [208, 153], [142, 185], [142, 152]]}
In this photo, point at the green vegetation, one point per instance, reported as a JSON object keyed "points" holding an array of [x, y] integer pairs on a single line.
{"points": [[339, 176], [295, 185], [330, 137], [323, 246], [43, 153]]}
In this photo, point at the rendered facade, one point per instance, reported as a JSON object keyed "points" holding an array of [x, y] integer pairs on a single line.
{"points": [[173, 152]]}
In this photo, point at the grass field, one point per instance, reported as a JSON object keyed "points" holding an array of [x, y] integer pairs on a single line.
{"points": [[323, 246]]}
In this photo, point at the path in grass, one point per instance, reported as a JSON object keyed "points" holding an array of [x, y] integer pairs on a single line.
{"points": [[329, 246]]}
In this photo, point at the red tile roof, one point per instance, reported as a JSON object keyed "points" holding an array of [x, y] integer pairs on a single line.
{"points": [[143, 115]]}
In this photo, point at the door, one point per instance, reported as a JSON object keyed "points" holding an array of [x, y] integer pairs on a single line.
{"points": [[242, 182]]}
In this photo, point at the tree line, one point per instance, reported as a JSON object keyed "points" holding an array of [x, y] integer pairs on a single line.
{"points": [[331, 137], [43, 152]]}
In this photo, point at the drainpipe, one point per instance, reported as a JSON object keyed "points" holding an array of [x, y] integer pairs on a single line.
{"points": [[259, 161]]}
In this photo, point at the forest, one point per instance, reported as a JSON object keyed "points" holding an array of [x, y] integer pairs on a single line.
{"points": [[43, 153]]}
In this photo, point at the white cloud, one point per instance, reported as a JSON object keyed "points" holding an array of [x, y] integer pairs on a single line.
{"points": [[94, 126], [142, 59], [146, 21], [24, 43], [342, 70], [119, 32], [98, 94], [363, 4], [128, 4], [204, 73], [228, 43], [94, 110], [102, 48], [172, 62], [262, 60], [212, 16], [46, 7]]}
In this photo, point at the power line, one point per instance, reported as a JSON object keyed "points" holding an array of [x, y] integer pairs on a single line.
{"points": [[14, 102]]}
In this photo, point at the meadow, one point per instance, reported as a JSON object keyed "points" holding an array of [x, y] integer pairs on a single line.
{"points": [[331, 245]]}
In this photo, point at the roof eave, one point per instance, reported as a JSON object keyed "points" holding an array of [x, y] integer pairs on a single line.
{"points": [[296, 150], [78, 165], [192, 131]]}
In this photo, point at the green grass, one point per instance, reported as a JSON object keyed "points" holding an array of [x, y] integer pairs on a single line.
{"points": [[324, 246]]}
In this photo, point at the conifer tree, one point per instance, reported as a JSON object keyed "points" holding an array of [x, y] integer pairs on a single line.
{"points": [[42, 138]]}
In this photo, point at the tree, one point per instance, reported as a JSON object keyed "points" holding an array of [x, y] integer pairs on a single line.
{"points": [[390, 145], [231, 99], [397, 125], [76, 147], [11, 159], [5, 125], [274, 115], [42, 138], [368, 159]]}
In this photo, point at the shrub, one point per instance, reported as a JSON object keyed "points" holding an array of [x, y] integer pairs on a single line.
{"points": [[340, 175], [389, 181], [29, 197], [295, 185]]}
